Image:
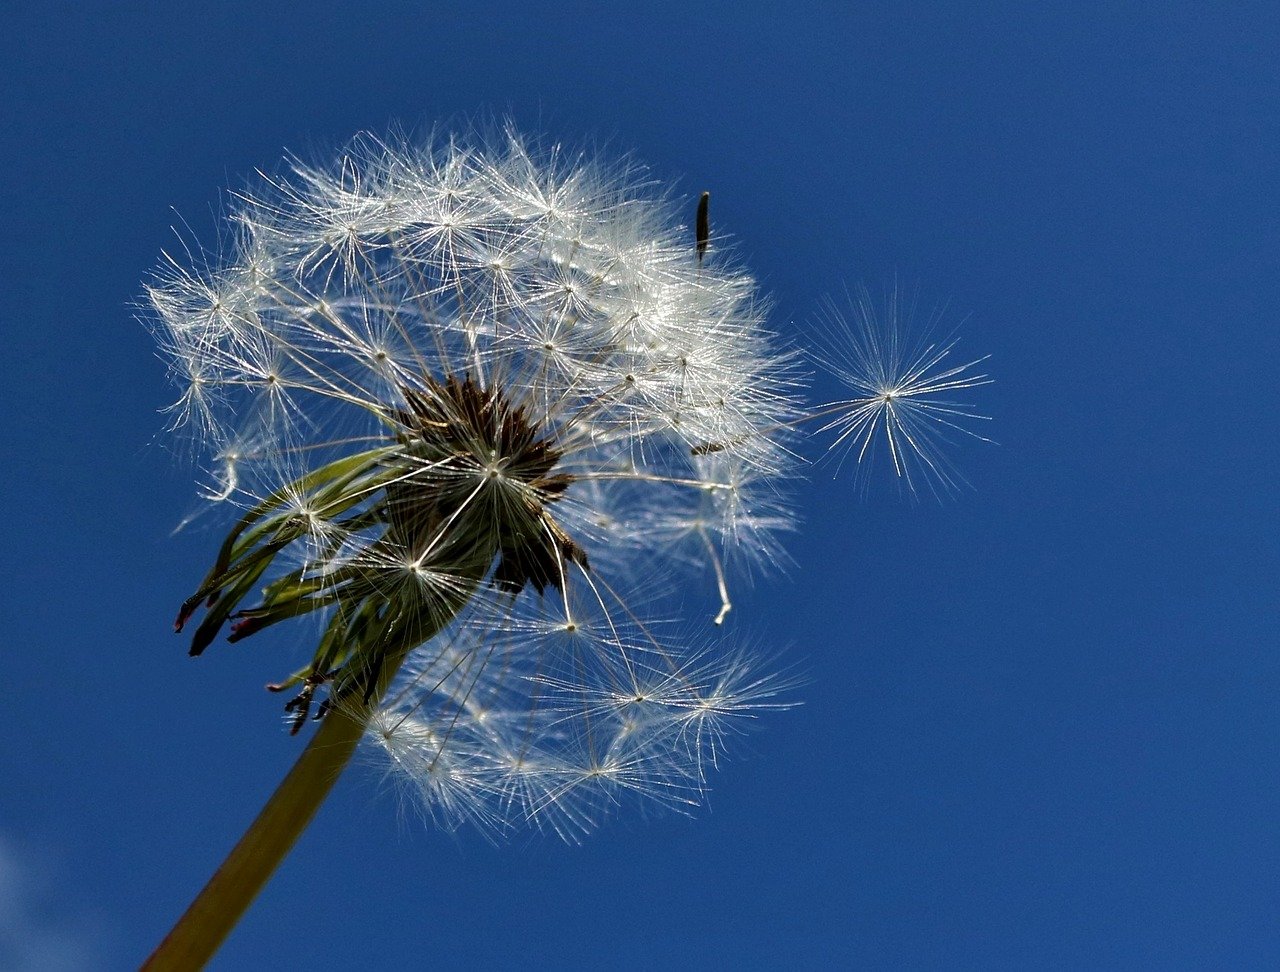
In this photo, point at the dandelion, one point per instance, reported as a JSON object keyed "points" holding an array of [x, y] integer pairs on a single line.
{"points": [[484, 407], [467, 396]]}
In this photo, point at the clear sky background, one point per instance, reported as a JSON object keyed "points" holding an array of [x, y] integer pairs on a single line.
{"points": [[1041, 728]]}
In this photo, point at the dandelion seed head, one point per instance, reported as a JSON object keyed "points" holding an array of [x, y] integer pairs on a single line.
{"points": [[473, 396]]}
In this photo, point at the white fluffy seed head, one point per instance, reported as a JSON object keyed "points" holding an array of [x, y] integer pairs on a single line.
{"points": [[566, 395]]}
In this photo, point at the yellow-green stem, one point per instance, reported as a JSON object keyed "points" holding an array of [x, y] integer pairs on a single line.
{"points": [[215, 911], [254, 859]]}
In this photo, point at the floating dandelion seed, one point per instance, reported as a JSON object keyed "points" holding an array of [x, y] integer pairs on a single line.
{"points": [[906, 388], [483, 407]]}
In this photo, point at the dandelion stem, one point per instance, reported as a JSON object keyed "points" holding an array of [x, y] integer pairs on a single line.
{"points": [[246, 870]]}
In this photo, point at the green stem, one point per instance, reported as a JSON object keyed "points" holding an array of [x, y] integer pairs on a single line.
{"points": [[215, 911], [247, 868]]}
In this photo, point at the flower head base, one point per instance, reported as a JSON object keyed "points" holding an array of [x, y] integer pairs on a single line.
{"points": [[467, 394], [469, 440]]}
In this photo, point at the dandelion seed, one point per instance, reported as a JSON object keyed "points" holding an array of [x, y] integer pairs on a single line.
{"points": [[907, 402], [703, 229]]}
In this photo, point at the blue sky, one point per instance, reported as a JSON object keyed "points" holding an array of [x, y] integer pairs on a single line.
{"points": [[1040, 728]]}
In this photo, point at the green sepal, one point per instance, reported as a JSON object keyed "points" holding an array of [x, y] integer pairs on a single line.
{"points": [[347, 466], [257, 537], [226, 602]]}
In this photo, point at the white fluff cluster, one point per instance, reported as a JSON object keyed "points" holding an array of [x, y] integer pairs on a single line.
{"points": [[566, 405]]}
